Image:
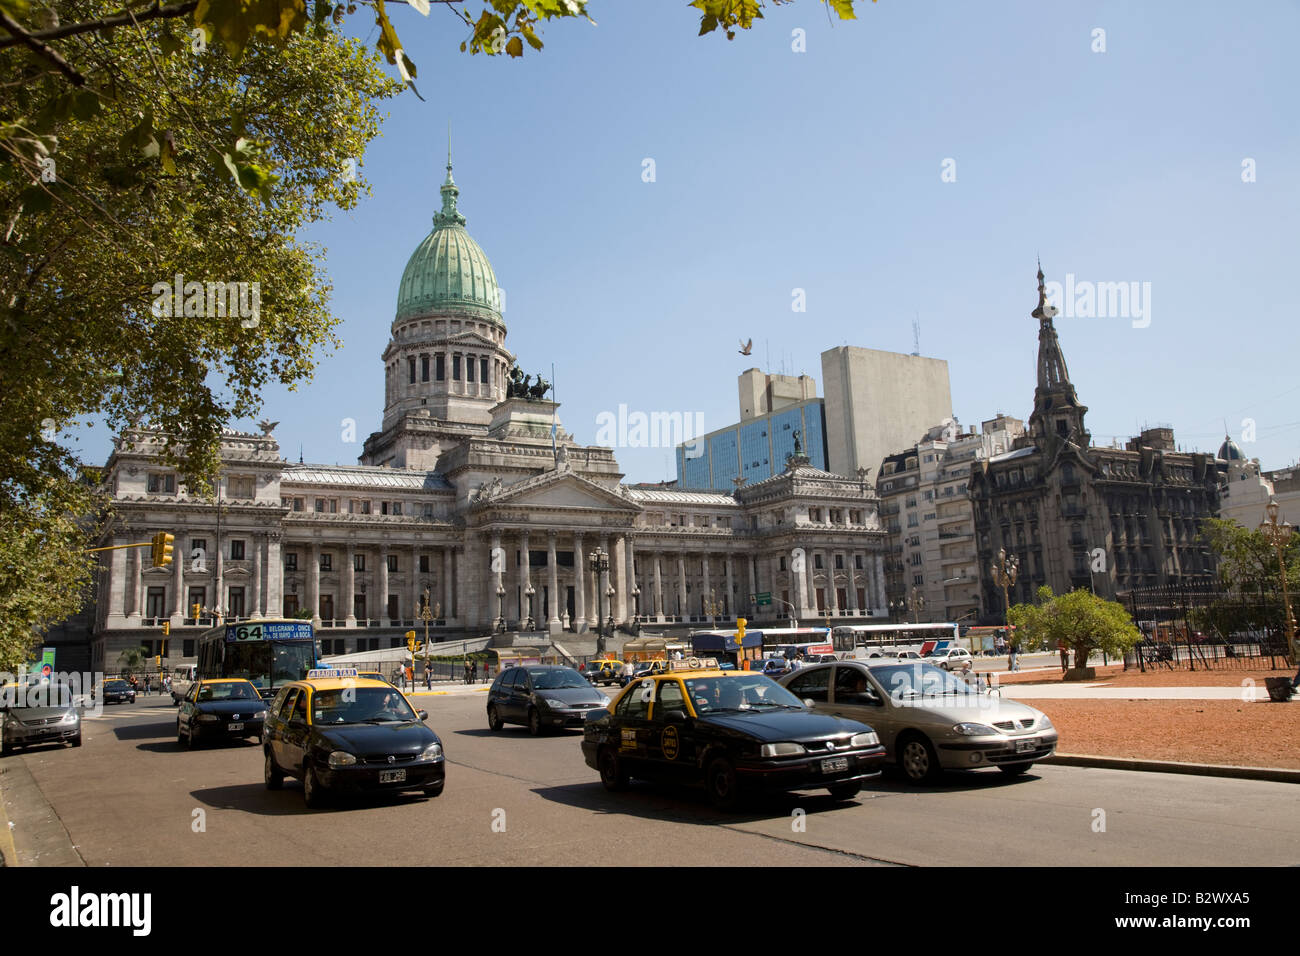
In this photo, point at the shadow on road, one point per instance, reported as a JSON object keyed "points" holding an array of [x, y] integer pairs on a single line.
{"points": [[255, 798], [518, 731], [146, 731]]}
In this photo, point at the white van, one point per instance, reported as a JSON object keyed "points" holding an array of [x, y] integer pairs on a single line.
{"points": [[183, 679]]}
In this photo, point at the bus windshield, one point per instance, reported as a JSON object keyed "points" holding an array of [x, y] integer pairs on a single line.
{"points": [[267, 654]]}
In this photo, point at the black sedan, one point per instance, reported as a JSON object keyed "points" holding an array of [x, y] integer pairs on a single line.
{"points": [[118, 692], [349, 734], [541, 697], [225, 709], [731, 731]]}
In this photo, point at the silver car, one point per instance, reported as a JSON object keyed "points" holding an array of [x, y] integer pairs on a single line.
{"points": [[929, 720], [39, 713]]}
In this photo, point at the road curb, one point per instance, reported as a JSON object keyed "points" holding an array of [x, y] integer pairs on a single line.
{"points": [[8, 855], [1274, 774]]}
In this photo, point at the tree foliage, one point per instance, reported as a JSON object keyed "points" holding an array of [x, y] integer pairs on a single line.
{"points": [[1079, 620], [1247, 561]]}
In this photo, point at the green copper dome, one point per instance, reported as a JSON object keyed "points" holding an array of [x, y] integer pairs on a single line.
{"points": [[448, 271]]}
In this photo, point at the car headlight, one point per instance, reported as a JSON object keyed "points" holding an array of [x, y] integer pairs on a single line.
{"points": [[552, 702], [604, 701], [208, 718], [781, 750], [869, 739], [432, 752], [341, 759], [975, 730], [1046, 722], [70, 717]]}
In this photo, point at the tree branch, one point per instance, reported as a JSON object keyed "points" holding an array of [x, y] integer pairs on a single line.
{"points": [[94, 26], [40, 49]]}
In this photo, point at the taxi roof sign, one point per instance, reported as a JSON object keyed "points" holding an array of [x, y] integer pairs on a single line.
{"points": [[325, 673], [694, 664]]}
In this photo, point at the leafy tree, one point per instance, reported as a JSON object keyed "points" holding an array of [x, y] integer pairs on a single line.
{"points": [[1080, 620], [132, 659], [1247, 562]]}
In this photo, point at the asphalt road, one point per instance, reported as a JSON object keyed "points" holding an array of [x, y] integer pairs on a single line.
{"points": [[130, 795]]}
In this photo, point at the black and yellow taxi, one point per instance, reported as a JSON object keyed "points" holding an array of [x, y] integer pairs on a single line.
{"points": [[338, 732], [734, 732], [224, 708]]}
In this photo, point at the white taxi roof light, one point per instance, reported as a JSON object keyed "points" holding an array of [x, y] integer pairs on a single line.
{"points": [[694, 664], [326, 673]]}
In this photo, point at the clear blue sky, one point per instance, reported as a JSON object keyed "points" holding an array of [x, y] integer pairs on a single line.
{"points": [[821, 170]]}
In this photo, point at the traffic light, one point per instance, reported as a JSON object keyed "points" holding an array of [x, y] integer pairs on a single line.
{"points": [[197, 610], [158, 661], [740, 628], [162, 549], [410, 640], [167, 628]]}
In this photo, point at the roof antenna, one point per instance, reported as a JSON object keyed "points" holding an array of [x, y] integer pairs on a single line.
{"points": [[916, 334]]}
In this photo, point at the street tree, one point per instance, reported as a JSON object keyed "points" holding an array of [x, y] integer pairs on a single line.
{"points": [[132, 659], [1079, 620]]}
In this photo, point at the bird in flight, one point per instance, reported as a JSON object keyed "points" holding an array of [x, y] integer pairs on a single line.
{"points": [[746, 347]]}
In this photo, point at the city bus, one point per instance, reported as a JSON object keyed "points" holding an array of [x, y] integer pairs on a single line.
{"points": [[862, 639], [269, 653]]}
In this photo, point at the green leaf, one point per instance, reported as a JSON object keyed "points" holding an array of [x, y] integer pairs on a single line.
{"points": [[36, 199], [844, 8], [169, 43], [515, 46], [15, 8], [86, 105]]}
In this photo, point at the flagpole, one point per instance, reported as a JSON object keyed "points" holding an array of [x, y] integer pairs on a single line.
{"points": [[555, 453]]}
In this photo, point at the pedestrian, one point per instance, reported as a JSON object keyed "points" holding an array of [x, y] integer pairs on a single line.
{"points": [[428, 676], [466, 670], [473, 672], [1065, 660], [1011, 657]]}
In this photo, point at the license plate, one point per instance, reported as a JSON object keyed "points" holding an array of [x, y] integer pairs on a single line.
{"points": [[392, 776], [235, 727], [835, 764], [1024, 745]]}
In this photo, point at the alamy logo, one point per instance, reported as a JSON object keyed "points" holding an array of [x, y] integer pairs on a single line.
{"points": [[655, 430], [212, 300], [1102, 300], [74, 908]]}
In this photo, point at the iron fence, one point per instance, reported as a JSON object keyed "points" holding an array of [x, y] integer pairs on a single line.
{"points": [[1201, 625]]}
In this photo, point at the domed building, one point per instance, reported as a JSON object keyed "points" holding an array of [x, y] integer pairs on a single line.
{"points": [[471, 492]]}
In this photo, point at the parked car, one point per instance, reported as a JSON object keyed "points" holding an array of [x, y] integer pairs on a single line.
{"points": [[602, 671], [36, 713], [541, 696], [643, 669], [953, 659], [929, 720]]}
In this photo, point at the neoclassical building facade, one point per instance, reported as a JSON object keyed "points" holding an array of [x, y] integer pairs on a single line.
{"points": [[476, 497]]}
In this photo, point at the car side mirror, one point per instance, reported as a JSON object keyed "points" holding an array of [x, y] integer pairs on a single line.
{"points": [[808, 702], [675, 716], [422, 714]]}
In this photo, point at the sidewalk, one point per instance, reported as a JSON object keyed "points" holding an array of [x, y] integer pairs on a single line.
{"points": [[1083, 691]]}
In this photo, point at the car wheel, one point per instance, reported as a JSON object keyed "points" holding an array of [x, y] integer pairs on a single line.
{"points": [[494, 719], [1014, 769], [612, 772], [534, 722], [721, 783], [76, 741], [313, 794], [919, 762], [272, 773], [6, 749], [845, 791], [190, 742]]}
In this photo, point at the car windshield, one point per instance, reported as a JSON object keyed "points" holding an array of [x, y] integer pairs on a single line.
{"points": [[117, 685], [228, 691], [41, 694], [746, 692], [918, 679], [557, 678], [360, 705]]}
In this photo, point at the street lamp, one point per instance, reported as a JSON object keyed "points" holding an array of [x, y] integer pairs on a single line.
{"points": [[713, 607], [530, 591], [1005, 569], [599, 564], [794, 620], [904, 607], [1278, 535], [501, 596], [426, 615]]}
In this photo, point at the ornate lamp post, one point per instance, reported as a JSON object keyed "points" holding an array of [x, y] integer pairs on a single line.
{"points": [[636, 604], [529, 592], [713, 607], [427, 614], [1278, 535], [501, 596], [599, 565], [1005, 569], [609, 606]]}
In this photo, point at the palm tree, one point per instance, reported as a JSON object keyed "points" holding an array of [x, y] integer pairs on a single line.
{"points": [[132, 659]]}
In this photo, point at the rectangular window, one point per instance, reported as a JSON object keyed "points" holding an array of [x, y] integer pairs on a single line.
{"points": [[410, 368], [424, 564], [358, 562], [424, 368], [839, 562], [327, 607], [291, 605], [299, 504], [237, 549], [188, 647], [320, 504], [392, 562], [469, 368], [483, 371], [918, 579], [455, 368], [428, 511], [397, 507], [160, 484], [857, 561], [291, 560], [198, 596], [359, 607], [235, 604], [392, 607], [440, 367], [365, 507], [154, 602], [817, 561], [327, 562], [383, 507], [241, 487]]}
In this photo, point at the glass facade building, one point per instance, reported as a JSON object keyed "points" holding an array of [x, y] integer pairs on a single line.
{"points": [[755, 449]]}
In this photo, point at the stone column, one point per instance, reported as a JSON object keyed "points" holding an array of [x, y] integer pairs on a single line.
{"points": [[659, 590], [853, 585], [448, 592], [496, 575], [682, 608], [579, 580], [117, 585], [706, 585], [731, 593], [832, 595], [382, 570], [552, 586], [179, 563], [132, 606], [753, 583], [880, 582], [255, 608], [603, 603], [313, 584], [416, 591], [274, 575], [525, 581], [799, 578], [622, 570], [633, 600], [350, 587], [810, 565]]}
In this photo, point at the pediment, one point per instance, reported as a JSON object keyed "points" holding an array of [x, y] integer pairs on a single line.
{"points": [[559, 490]]}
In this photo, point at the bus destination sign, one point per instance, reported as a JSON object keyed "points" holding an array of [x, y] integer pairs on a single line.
{"points": [[269, 631]]}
